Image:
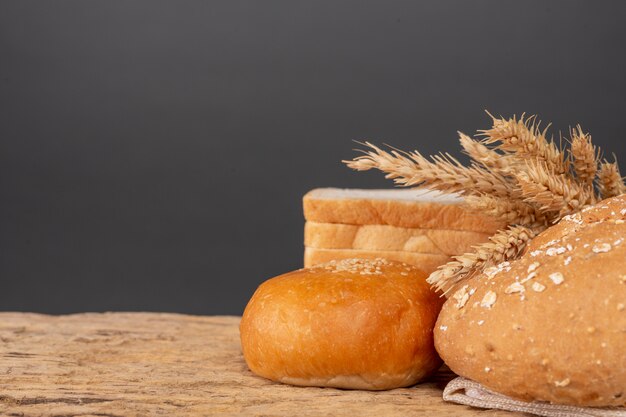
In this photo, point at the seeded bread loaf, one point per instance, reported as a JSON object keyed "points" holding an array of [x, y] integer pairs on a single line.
{"points": [[550, 326], [390, 238], [364, 324], [425, 261], [408, 208]]}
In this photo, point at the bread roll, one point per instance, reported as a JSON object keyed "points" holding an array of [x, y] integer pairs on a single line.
{"points": [[410, 208], [390, 238], [425, 261], [363, 324], [550, 326]]}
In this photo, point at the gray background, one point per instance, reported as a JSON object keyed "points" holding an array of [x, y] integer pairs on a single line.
{"points": [[154, 154]]}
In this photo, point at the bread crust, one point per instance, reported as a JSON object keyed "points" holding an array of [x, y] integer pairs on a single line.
{"points": [[550, 326], [425, 261], [419, 213], [390, 238], [335, 326]]}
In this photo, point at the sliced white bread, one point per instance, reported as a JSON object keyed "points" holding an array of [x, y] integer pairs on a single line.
{"points": [[424, 261], [390, 238], [407, 208]]}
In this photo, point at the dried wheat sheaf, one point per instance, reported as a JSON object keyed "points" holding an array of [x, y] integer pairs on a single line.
{"points": [[516, 174]]}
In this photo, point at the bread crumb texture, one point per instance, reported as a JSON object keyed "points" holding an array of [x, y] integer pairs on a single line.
{"points": [[550, 326]]}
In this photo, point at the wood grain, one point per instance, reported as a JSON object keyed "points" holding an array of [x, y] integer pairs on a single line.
{"points": [[151, 364]]}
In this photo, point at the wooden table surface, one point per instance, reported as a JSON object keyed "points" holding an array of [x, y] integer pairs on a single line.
{"points": [[152, 364]]}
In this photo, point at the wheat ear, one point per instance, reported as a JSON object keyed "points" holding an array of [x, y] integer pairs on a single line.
{"points": [[442, 172], [487, 157], [610, 181], [523, 139], [513, 212], [503, 246], [584, 156], [556, 194]]}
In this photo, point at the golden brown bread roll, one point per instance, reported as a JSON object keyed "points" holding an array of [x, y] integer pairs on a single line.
{"points": [[364, 324], [550, 326]]}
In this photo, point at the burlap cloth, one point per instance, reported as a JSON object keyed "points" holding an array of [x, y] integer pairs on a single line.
{"points": [[464, 391]]}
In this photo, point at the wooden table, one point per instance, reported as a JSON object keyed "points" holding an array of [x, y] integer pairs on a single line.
{"points": [[150, 364]]}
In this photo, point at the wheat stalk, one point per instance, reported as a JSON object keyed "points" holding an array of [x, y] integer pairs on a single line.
{"points": [[503, 246], [516, 175]]}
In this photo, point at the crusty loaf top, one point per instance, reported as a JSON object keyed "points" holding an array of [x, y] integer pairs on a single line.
{"points": [[550, 326]]}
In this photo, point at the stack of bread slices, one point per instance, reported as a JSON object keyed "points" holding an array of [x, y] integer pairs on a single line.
{"points": [[419, 227]]}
